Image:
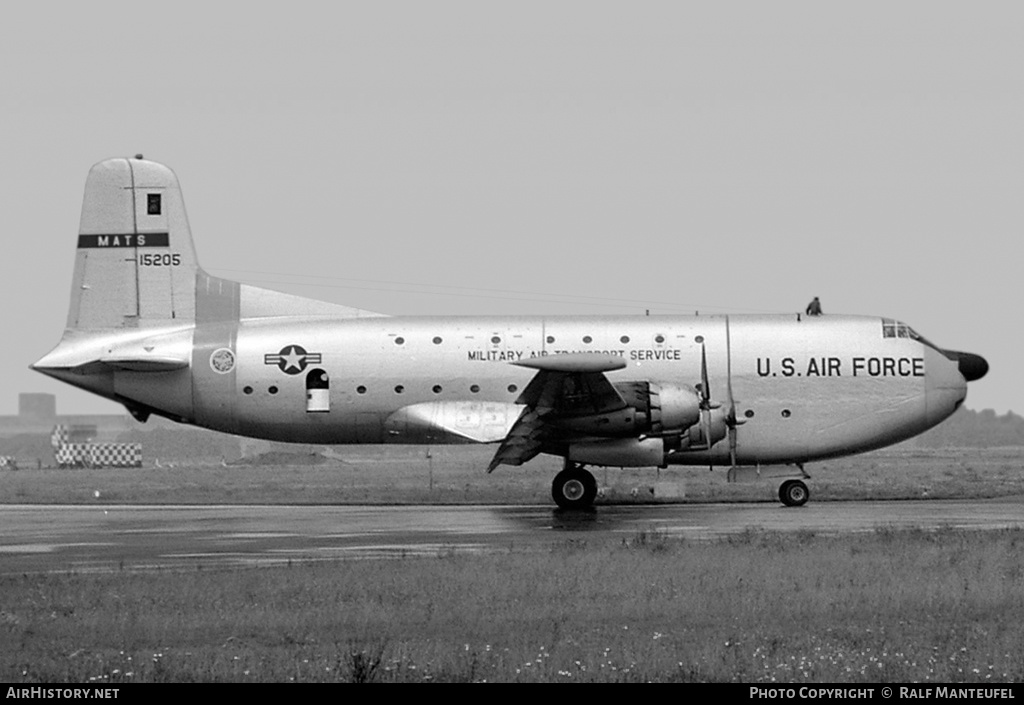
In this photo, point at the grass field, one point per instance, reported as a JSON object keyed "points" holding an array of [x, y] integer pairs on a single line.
{"points": [[454, 475], [895, 606], [890, 606]]}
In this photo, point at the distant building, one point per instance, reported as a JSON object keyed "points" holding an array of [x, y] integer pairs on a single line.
{"points": [[27, 437], [37, 415]]}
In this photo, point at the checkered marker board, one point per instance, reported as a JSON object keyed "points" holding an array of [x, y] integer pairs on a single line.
{"points": [[59, 436], [93, 455], [8, 461], [114, 455]]}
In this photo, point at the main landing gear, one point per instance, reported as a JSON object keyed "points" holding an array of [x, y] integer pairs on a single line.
{"points": [[574, 487], [794, 493]]}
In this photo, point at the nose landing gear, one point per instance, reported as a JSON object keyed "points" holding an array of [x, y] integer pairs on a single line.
{"points": [[794, 493]]}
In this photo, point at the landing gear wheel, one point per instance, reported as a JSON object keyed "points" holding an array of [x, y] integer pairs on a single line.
{"points": [[794, 493], [574, 488]]}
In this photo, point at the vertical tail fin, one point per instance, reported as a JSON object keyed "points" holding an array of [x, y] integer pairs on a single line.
{"points": [[136, 264], [145, 319]]}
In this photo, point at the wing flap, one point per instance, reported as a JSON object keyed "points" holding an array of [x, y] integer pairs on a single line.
{"points": [[523, 442]]}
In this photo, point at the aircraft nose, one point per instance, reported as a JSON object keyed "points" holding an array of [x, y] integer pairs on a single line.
{"points": [[971, 366]]}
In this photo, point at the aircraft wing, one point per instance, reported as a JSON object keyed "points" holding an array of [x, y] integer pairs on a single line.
{"points": [[564, 386]]}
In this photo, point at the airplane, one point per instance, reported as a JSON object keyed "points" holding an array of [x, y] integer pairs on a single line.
{"points": [[150, 329]]}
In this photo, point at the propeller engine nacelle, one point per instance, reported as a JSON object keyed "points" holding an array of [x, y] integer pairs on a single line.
{"points": [[652, 410], [653, 450], [671, 408]]}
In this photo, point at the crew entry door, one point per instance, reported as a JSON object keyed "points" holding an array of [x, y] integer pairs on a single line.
{"points": [[318, 391]]}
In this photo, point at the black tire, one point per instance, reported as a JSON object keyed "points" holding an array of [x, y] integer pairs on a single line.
{"points": [[574, 488], [794, 493]]}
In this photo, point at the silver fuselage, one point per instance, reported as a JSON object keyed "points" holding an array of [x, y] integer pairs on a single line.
{"points": [[804, 387]]}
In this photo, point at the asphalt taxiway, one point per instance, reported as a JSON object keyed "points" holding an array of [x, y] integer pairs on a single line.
{"points": [[80, 538]]}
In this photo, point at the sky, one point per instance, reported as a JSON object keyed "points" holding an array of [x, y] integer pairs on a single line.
{"points": [[538, 158]]}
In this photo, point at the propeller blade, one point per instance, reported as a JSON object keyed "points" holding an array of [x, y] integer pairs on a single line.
{"points": [[705, 387], [730, 418]]}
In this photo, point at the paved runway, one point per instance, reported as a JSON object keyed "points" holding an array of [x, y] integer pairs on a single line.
{"points": [[51, 538]]}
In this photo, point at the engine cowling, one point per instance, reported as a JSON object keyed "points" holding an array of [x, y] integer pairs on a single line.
{"points": [[661, 409], [652, 409], [652, 450], [672, 408]]}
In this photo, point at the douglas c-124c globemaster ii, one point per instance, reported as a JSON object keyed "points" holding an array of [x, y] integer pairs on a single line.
{"points": [[150, 329]]}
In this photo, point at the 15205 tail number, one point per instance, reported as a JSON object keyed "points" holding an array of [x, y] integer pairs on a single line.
{"points": [[159, 260]]}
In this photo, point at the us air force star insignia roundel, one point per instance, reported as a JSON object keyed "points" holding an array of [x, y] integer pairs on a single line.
{"points": [[292, 359]]}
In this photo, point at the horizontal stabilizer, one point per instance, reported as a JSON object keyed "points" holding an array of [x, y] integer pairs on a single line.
{"points": [[109, 364], [155, 363], [163, 351]]}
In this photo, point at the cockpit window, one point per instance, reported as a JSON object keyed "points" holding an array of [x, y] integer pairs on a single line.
{"points": [[895, 329]]}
